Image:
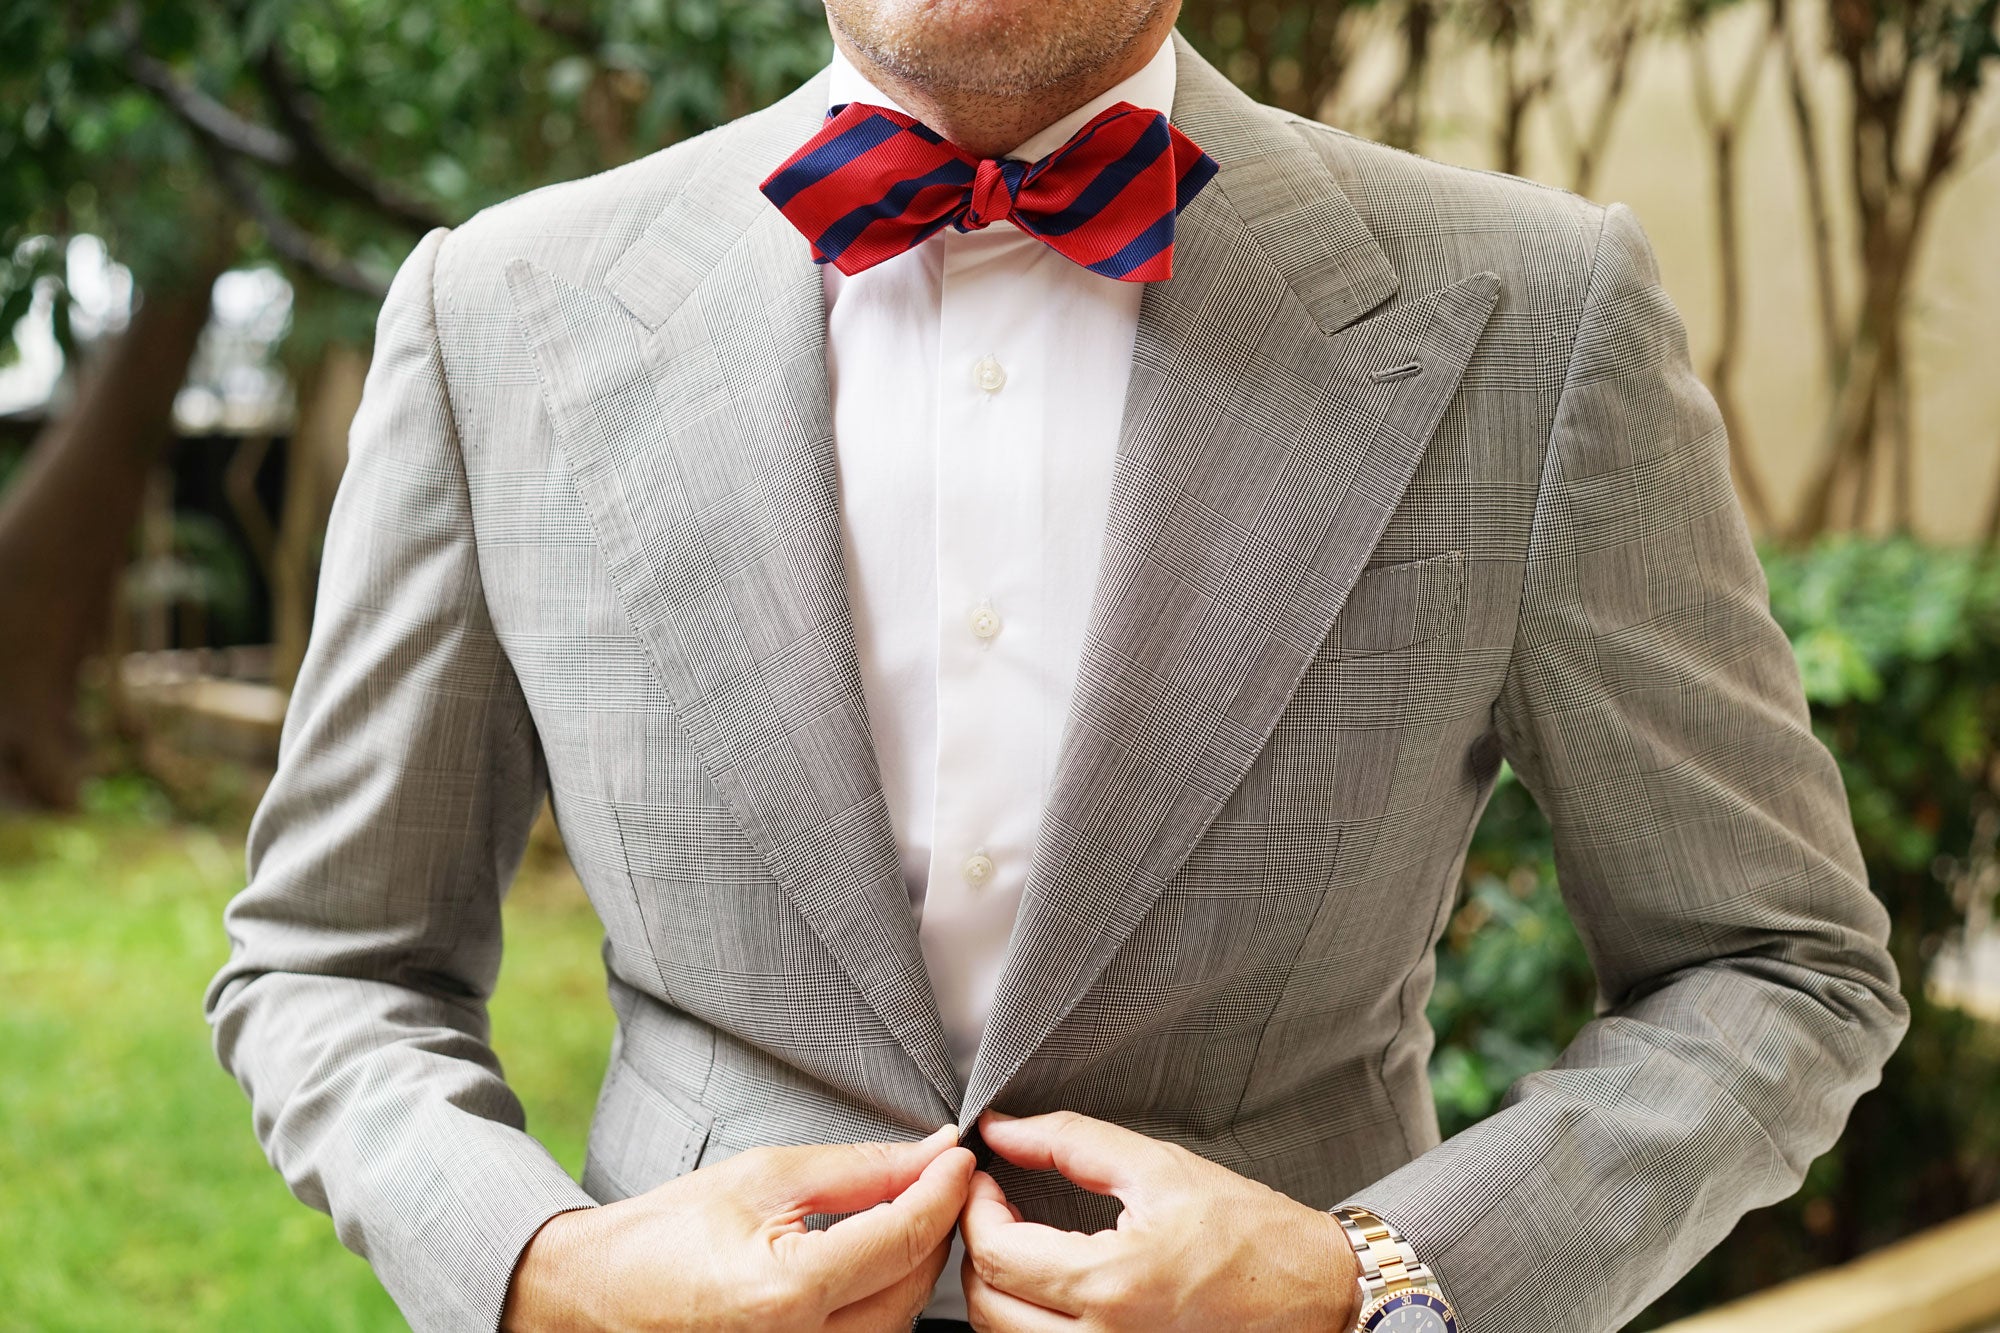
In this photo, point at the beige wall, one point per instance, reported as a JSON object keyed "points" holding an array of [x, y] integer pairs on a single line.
{"points": [[1659, 165]]}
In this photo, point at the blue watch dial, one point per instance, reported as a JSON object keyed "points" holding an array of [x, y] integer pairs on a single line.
{"points": [[1412, 1312]]}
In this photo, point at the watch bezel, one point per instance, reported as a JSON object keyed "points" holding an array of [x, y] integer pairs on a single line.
{"points": [[1383, 1306]]}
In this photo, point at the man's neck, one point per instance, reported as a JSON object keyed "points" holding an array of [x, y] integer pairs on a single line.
{"points": [[991, 125]]}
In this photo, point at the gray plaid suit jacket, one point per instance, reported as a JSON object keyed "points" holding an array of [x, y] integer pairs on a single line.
{"points": [[1413, 477]]}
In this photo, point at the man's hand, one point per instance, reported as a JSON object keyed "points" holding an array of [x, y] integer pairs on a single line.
{"points": [[1197, 1247], [726, 1247]]}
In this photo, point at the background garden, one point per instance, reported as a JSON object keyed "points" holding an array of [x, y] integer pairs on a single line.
{"points": [[200, 205]]}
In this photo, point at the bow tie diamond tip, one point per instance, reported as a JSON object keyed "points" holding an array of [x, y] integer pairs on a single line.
{"points": [[874, 182]]}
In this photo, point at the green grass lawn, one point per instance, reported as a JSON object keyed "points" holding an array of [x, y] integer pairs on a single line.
{"points": [[133, 1195]]}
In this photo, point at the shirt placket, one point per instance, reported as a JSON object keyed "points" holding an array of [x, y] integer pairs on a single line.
{"points": [[990, 619]]}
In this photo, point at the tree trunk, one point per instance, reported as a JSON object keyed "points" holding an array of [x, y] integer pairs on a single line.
{"points": [[1805, 127], [329, 395], [65, 533], [1728, 345], [1892, 203], [1403, 122], [1514, 99], [1723, 124], [1623, 42], [1897, 428], [1852, 427]]}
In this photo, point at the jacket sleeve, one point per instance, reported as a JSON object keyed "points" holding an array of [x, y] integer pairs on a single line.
{"points": [[1704, 849], [352, 1008]]}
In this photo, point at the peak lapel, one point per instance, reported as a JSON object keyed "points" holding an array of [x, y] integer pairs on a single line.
{"points": [[1258, 463], [690, 403]]}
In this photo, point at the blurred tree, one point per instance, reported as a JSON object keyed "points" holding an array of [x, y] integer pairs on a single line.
{"points": [[1914, 71], [65, 528], [325, 138], [1722, 119], [1613, 36], [1527, 56], [1294, 56], [83, 151]]}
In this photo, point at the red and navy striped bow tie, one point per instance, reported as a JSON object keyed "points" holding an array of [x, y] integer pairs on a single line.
{"points": [[873, 182]]}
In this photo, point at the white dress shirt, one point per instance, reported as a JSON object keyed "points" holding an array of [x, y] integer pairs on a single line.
{"points": [[978, 382]]}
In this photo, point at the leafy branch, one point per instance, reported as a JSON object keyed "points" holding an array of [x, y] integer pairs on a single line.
{"points": [[230, 143]]}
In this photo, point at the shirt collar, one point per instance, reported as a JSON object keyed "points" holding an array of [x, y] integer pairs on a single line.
{"points": [[1151, 88]]}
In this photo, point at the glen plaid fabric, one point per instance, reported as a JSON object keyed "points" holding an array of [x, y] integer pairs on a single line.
{"points": [[1414, 478], [873, 182]]}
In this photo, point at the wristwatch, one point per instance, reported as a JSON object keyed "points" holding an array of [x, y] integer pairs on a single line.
{"points": [[1398, 1294]]}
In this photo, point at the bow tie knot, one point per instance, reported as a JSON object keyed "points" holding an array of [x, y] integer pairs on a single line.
{"points": [[874, 182], [996, 185]]}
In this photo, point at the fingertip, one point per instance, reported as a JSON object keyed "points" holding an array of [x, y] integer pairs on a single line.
{"points": [[935, 1142], [918, 1154], [1019, 1151], [955, 1159], [945, 1179]]}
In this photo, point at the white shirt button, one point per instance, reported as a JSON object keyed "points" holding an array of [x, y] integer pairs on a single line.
{"points": [[978, 868], [988, 374], [985, 621]]}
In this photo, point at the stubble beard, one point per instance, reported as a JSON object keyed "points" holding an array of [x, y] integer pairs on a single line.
{"points": [[952, 49]]}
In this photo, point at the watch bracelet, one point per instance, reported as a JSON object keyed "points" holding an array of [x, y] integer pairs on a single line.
{"points": [[1387, 1261]]}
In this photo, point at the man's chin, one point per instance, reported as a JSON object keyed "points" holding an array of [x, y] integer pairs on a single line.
{"points": [[1007, 48]]}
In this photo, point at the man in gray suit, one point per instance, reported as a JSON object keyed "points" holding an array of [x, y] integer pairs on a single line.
{"points": [[1404, 472]]}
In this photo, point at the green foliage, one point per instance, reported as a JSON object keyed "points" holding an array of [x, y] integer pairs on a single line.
{"points": [[1958, 37], [356, 124], [82, 150], [33, 263], [132, 1192], [1898, 648], [1514, 984], [10, 460]]}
